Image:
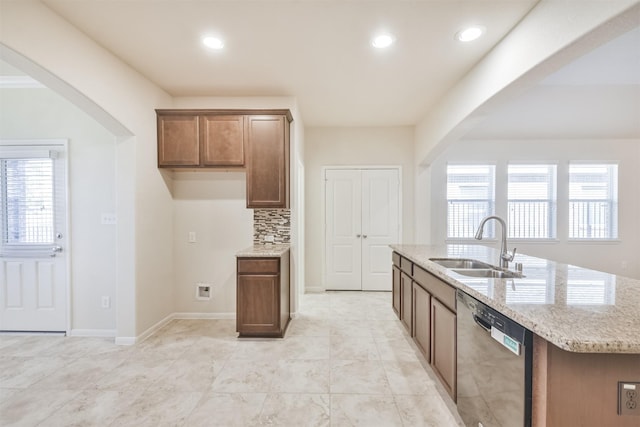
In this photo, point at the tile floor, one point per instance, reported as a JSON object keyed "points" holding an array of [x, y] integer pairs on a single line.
{"points": [[345, 361]]}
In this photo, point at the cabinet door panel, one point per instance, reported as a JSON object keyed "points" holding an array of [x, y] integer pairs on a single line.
{"points": [[396, 290], [267, 163], [405, 301], [258, 304], [178, 140], [422, 320], [443, 345], [223, 141]]}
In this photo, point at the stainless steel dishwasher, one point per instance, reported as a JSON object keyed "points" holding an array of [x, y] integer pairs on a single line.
{"points": [[494, 367]]}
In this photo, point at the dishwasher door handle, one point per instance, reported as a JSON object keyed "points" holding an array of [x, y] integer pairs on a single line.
{"points": [[482, 323]]}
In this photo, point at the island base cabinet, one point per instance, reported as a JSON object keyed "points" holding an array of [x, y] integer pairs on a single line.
{"points": [[580, 389], [262, 297], [443, 345]]}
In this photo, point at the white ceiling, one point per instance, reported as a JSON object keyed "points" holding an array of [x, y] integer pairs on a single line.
{"points": [[317, 51]]}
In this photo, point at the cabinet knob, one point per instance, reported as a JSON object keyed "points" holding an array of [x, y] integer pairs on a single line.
{"points": [[358, 236]]}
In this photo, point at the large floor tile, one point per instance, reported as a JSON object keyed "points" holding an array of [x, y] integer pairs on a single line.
{"points": [[227, 410], [407, 378], [427, 410], [79, 374], [187, 374], [245, 376], [353, 348], [30, 407], [93, 408], [301, 376], [136, 374], [157, 408], [286, 410], [364, 410], [358, 377]]}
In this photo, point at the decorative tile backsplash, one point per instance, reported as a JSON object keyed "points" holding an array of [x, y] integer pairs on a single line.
{"points": [[271, 222]]}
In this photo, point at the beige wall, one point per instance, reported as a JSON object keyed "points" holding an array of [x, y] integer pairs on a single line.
{"points": [[214, 205], [91, 172], [119, 98], [618, 257], [383, 146]]}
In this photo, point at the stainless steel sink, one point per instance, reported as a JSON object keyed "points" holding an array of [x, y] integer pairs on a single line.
{"points": [[487, 272], [464, 263]]}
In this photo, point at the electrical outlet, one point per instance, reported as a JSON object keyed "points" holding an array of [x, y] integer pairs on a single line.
{"points": [[629, 398], [192, 237], [106, 302]]}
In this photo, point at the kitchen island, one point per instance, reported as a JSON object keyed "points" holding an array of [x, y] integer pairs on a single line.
{"points": [[586, 327]]}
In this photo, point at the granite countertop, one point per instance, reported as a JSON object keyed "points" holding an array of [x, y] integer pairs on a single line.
{"points": [[264, 251], [574, 308]]}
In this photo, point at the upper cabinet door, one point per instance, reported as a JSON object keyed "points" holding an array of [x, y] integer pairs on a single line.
{"points": [[268, 161], [178, 140], [223, 142]]}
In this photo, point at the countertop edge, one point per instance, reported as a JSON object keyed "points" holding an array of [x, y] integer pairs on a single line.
{"points": [[264, 251]]}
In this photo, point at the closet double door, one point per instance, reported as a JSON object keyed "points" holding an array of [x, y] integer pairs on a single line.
{"points": [[362, 218]]}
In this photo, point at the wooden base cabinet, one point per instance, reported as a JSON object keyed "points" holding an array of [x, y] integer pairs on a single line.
{"points": [[262, 297], [443, 345], [422, 320], [580, 389]]}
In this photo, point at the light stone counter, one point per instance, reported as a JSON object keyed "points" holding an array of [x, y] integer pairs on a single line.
{"points": [[257, 251], [576, 309]]}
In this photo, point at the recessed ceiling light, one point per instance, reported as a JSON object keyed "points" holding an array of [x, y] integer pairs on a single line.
{"points": [[382, 41], [470, 34], [213, 42]]}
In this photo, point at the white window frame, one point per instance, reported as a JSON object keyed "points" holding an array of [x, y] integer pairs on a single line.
{"points": [[490, 203], [610, 202], [551, 202]]}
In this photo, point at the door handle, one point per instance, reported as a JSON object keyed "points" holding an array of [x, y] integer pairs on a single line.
{"points": [[358, 236], [55, 250], [364, 236]]}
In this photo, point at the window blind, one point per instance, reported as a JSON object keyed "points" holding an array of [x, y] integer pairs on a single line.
{"points": [[27, 201]]}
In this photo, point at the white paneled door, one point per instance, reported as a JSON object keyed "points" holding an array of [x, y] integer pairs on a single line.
{"points": [[33, 265], [362, 218]]}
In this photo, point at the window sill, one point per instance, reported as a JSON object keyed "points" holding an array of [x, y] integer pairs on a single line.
{"points": [[594, 241]]}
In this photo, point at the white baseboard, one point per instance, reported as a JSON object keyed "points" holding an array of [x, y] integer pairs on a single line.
{"points": [[154, 328], [125, 340], [214, 316], [93, 333], [314, 290]]}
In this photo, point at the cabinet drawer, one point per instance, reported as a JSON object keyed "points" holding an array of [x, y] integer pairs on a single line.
{"points": [[258, 265], [436, 287], [395, 259], [406, 266]]}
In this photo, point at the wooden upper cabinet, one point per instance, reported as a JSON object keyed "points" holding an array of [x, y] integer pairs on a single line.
{"points": [[201, 138], [268, 161], [223, 142], [178, 140]]}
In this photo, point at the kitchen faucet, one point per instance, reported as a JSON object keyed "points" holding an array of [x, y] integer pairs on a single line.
{"points": [[505, 256]]}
